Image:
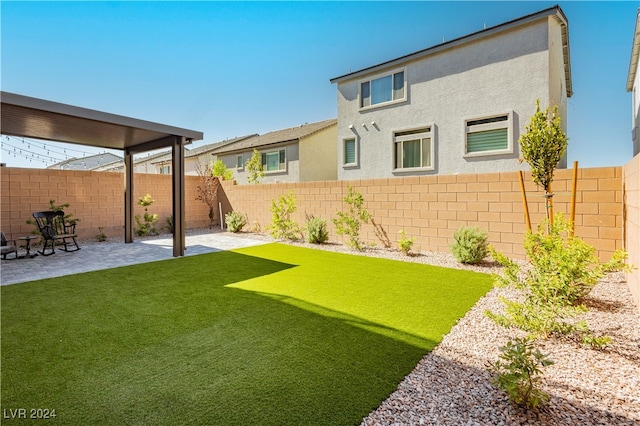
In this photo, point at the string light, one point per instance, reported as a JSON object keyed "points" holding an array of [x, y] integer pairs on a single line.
{"points": [[34, 150]]}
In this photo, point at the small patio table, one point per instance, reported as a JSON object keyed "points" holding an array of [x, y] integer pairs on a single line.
{"points": [[28, 245]]}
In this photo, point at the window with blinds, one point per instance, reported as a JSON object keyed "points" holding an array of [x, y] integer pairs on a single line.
{"points": [[350, 155], [488, 135]]}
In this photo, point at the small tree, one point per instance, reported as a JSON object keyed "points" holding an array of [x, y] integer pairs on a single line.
{"points": [[220, 170], [543, 146], [349, 222], [208, 189], [148, 226], [254, 167], [282, 225]]}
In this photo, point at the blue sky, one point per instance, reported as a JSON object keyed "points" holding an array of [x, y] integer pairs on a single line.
{"points": [[235, 68]]}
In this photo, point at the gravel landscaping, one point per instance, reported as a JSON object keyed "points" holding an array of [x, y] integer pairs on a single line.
{"points": [[451, 386]]}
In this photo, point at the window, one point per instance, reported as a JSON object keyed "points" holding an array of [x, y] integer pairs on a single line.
{"points": [[383, 89], [413, 149], [165, 170], [350, 155], [489, 135], [239, 162], [274, 161]]}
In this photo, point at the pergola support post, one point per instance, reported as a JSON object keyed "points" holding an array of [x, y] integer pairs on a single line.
{"points": [[128, 196], [177, 183]]}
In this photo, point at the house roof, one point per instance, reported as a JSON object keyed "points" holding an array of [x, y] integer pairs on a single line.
{"points": [[87, 163], [205, 149], [554, 11], [635, 53], [292, 134]]}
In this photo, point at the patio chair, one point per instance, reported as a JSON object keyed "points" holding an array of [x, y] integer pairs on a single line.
{"points": [[54, 230], [8, 246]]}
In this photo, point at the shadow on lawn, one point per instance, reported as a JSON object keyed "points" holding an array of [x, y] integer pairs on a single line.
{"points": [[169, 343]]}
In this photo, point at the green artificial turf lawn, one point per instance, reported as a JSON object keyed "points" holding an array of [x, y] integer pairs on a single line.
{"points": [[271, 334]]}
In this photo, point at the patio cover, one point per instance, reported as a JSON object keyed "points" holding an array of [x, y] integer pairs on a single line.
{"points": [[41, 119]]}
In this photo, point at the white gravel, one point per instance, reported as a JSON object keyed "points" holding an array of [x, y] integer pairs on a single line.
{"points": [[451, 386]]}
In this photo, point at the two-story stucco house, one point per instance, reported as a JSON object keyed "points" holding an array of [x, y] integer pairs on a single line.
{"points": [[297, 154], [457, 107], [633, 85]]}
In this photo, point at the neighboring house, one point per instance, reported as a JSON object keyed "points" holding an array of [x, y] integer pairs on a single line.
{"points": [[303, 153], [203, 155], [91, 162], [633, 83], [457, 107], [153, 163]]}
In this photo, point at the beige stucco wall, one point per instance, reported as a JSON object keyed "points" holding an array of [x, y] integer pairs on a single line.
{"points": [[319, 156], [505, 72]]}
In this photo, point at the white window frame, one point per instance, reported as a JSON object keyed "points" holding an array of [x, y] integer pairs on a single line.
{"points": [[163, 168], [382, 75], [240, 165], [356, 144], [276, 151], [431, 134], [508, 124]]}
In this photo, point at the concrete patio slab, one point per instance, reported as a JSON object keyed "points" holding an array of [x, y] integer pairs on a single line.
{"points": [[97, 256]]}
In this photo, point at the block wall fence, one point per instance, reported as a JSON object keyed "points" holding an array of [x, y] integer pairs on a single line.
{"points": [[96, 198], [427, 208], [431, 208]]}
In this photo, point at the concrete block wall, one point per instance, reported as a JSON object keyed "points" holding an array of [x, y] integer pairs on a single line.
{"points": [[631, 184], [96, 198], [431, 208]]}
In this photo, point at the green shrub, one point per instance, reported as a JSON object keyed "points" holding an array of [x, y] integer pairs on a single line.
{"points": [[255, 171], [282, 226], [519, 374], [169, 223], [348, 223], [405, 244], [317, 230], [470, 245], [220, 170], [235, 221], [101, 236], [563, 270], [146, 223]]}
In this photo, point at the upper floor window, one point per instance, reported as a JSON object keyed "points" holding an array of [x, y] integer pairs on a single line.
{"points": [[383, 89], [488, 135], [239, 163], [165, 170], [274, 161], [413, 149]]}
